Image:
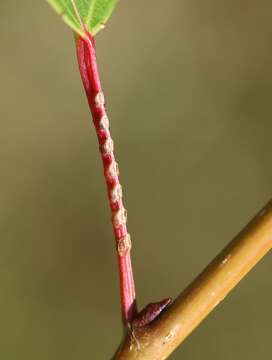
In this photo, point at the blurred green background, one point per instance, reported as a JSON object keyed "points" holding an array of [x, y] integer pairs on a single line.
{"points": [[189, 87]]}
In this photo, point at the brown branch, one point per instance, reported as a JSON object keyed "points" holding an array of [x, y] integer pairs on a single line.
{"points": [[161, 338]]}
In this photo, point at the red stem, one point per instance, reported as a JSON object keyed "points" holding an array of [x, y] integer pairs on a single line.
{"points": [[90, 77]]}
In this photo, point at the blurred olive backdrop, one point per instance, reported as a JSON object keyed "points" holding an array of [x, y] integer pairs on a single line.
{"points": [[189, 87]]}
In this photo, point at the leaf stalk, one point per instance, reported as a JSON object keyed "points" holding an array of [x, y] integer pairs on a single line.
{"points": [[87, 62]]}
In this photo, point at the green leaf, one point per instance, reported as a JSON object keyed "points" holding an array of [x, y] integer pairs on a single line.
{"points": [[91, 14]]}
